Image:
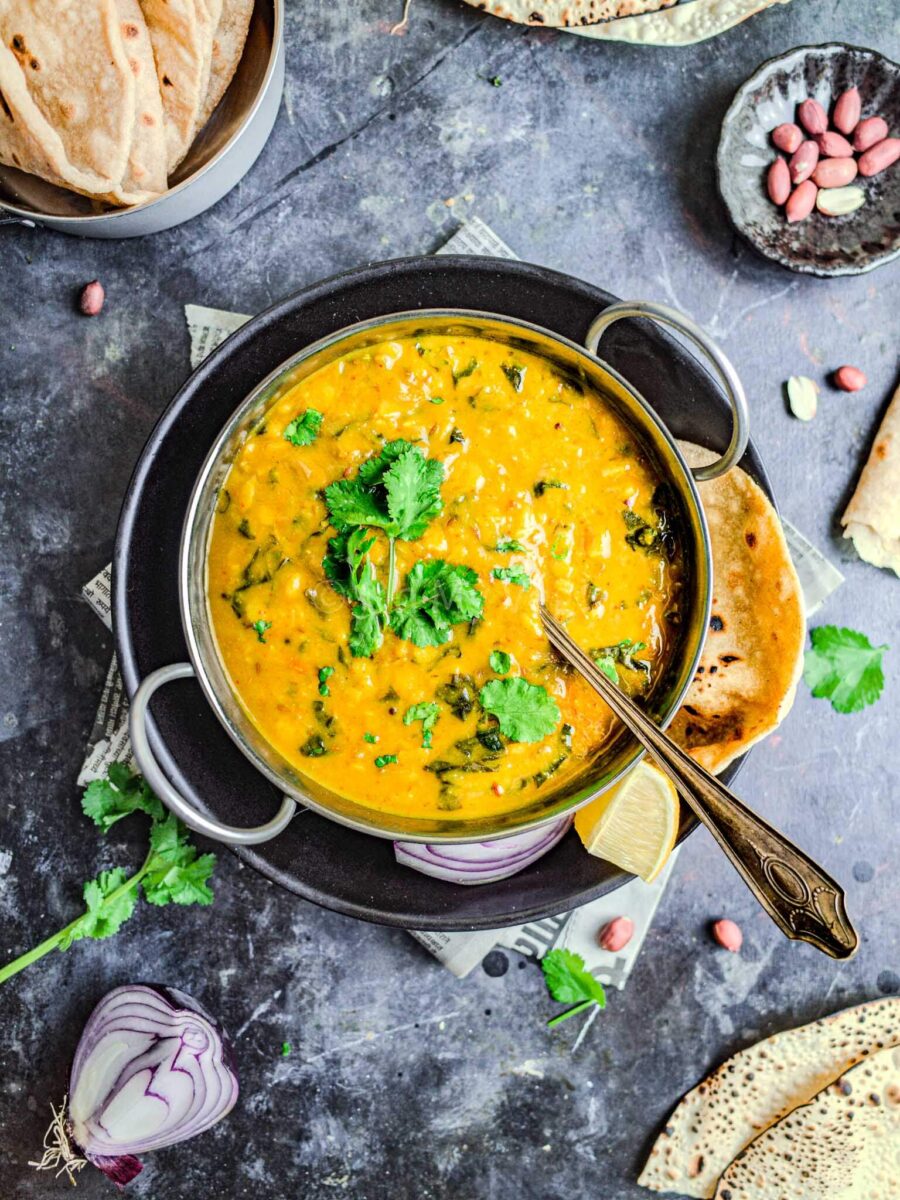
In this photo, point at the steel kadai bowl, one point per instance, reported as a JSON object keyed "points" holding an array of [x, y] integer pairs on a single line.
{"points": [[579, 363], [221, 155]]}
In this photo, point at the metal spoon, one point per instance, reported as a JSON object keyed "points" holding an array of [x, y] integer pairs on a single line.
{"points": [[804, 902]]}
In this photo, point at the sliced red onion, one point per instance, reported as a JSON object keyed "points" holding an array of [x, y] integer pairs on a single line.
{"points": [[152, 1068], [481, 862]]}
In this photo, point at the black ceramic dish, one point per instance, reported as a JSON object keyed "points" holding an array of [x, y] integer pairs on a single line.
{"points": [[317, 858], [819, 245]]}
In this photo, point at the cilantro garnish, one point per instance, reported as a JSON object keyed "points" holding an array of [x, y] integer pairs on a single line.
{"points": [[436, 399], [399, 491], [844, 667], [260, 627], [570, 982], [526, 711], [384, 760], [325, 674], [351, 574], [370, 738], [428, 715], [508, 546], [437, 596], [500, 661], [515, 375], [171, 873], [512, 575], [286, 1048], [302, 431]]}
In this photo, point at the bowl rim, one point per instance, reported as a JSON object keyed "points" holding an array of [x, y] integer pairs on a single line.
{"points": [[86, 219], [737, 103], [702, 570]]}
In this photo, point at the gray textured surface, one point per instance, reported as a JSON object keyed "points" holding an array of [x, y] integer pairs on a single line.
{"points": [[403, 1082]]}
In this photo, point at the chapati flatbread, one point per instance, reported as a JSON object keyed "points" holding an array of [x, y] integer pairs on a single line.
{"points": [[682, 25], [753, 655], [181, 35], [565, 13], [69, 92], [843, 1145], [227, 48], [145, 174], [872, 518], [756, 1088]]}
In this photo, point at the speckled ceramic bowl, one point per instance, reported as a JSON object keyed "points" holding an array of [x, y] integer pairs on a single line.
{"points": [[819, 245]]}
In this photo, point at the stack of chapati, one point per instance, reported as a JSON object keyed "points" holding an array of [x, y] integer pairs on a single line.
{"points": [[105, 97], [644, 22], [809, 1114]]}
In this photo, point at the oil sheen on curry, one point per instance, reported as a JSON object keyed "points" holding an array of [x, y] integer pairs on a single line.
{"points": [[381, 546]]}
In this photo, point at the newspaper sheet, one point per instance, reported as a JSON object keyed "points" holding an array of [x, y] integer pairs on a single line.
{"points": [[459, 952]]}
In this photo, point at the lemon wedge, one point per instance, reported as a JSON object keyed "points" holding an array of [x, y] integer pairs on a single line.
{"points": [[634, 824]]}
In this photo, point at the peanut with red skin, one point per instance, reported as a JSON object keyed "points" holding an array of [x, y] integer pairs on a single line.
{"points": [[868, 132], [880, 156], [728, 935], [834, 145], [787, 137], [835, 172], [812, 117], [801, 202], [847, 109], [92, 296], [850, 379], [616, 934], [778, 182], [803, 161]]}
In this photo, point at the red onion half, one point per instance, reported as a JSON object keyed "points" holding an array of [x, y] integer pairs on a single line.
{"points": [[152, 1068], [481, 862]]}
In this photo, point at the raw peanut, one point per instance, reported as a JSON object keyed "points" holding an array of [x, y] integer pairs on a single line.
{"points": [[92, 296], [801, 202], [728, 935], [838, 202], [803, 161], [803, 397], [778, 181], [787, 137], [616, 934], [846, 110], [849, 379], [879, 156], [813, 117], [833, 145], [835, 172], [868, 132]]}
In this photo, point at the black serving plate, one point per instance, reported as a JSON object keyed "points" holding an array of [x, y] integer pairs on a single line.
{"points": [[819, 245], [315, 858]]}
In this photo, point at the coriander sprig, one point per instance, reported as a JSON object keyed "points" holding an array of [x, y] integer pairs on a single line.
{"points": [[172, 871], [570, 982]]}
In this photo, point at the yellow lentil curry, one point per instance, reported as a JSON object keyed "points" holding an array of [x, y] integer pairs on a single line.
{"points": [[379, 551]]}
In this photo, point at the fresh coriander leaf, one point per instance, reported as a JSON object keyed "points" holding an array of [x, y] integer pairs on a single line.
{"points": [[106, 801], [350, 503], [103, 917], [351, 574], [370, 738], [569, 982], [437, 596], [526, 711], [844, 667], [515, 375], [509, 546], [413, 487], [466, 371], [384, 760], [325, 674], [286, 1048], [436, 399], [304, 428], [544, 485], [500, 661], [608, 666], [428, 715], [260, 628], [173, 873], [514, 575]]}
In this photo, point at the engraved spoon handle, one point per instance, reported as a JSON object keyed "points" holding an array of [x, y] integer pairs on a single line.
{"points": [[803, 901]]}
